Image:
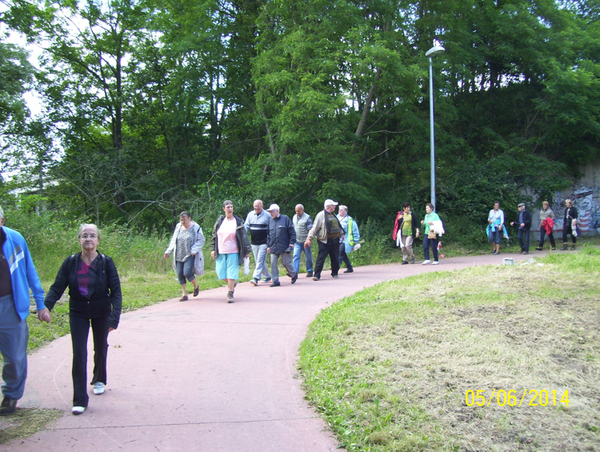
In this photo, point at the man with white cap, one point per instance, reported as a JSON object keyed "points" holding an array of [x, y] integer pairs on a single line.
{"points": [[280, 243], [328, 230]]}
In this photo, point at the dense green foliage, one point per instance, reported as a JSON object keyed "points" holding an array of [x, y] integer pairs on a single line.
{"points": [[151, 107]]}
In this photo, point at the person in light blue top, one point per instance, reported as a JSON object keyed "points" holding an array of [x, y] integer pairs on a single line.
{"points": [[17, 277], [496, 227], [350, 238], [430, 238]]}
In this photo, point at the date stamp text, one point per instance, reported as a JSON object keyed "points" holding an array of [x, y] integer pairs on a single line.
{"points": [[529, 397]]}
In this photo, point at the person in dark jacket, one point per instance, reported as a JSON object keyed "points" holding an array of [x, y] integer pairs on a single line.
{"points": [[570, 224], [523, 220], [257, 228], [406, 229], [280, 243], [94, 298], [229, 246]]}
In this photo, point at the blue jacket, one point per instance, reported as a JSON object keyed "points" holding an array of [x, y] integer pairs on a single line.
{"points": [[355, 233], [23, 275], [281, 235]]}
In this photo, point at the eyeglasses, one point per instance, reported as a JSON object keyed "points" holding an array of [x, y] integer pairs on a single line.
{"points": [[89, 236]]}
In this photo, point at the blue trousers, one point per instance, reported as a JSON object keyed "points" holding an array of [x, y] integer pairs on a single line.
{"points": [[185, 270], [523, 237], [14, 335], [298, 249], [427, 242]]}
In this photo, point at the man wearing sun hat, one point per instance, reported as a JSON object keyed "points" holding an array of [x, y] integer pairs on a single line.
{"points": [[328, 230], [524, 222]]}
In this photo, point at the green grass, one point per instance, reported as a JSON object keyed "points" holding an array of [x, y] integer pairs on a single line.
{"points": [[389, 367]]}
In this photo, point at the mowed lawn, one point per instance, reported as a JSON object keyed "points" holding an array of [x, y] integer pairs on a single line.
{"points": [[492, 358]]}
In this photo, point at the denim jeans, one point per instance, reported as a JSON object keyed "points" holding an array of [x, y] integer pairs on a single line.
{"points": [[298, 249], [427, 242], [523, 234], [260, 257], [185, 270], [14, 335]]}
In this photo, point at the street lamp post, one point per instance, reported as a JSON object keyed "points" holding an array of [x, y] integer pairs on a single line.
{"points": [[434, 51]]}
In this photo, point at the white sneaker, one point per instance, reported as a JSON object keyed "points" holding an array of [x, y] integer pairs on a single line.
{"points": [[426, 262], [98, 388], [435, 263], [78, 410]]}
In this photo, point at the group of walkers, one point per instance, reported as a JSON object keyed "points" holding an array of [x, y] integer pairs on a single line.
{"points": [[406, 230], [496, 229], [264, 232], [95, 292]]}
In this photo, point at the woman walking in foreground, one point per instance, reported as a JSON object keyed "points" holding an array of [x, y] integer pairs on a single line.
{"points": [[94, 298]]}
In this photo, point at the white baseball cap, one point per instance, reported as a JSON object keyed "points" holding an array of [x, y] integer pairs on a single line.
{"points": [[273, 207], [329, 202]]}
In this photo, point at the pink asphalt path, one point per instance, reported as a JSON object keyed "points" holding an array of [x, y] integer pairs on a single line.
{"points": [[204, 375]]}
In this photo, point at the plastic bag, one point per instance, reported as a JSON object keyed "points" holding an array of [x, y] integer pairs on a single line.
{"points": [[246, 266]]}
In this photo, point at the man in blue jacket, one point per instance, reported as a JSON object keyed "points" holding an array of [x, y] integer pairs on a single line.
{"points": [[17, 276], [280, 243]]}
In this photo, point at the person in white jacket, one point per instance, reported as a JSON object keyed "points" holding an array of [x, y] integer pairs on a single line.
{"points": [[186, 248]]}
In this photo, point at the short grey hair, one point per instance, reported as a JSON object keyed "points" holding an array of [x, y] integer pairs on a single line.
{"points": [[88, 225], [1, 213]]}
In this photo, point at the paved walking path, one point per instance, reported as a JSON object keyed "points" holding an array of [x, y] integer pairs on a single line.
{"points": [[205, 375]]}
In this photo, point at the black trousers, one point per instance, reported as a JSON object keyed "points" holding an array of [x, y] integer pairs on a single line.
{"points": [[568, 229], [344, 257], [331, 249], [80, 328], [543, 236]]}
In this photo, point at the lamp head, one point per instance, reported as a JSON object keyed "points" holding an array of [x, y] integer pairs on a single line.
{"points": [[434, 51]]}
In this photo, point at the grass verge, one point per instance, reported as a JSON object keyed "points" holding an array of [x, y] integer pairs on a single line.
{"points": [[390, 367], [26, 422]]}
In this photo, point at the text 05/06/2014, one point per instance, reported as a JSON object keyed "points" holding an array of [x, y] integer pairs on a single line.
{"points": [[512, 397]]}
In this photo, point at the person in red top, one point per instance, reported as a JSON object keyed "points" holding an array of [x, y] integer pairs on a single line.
{"points": [[546, 225]]}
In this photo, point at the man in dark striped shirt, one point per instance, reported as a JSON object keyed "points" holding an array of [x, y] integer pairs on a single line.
{"points": [[257, 227]]}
